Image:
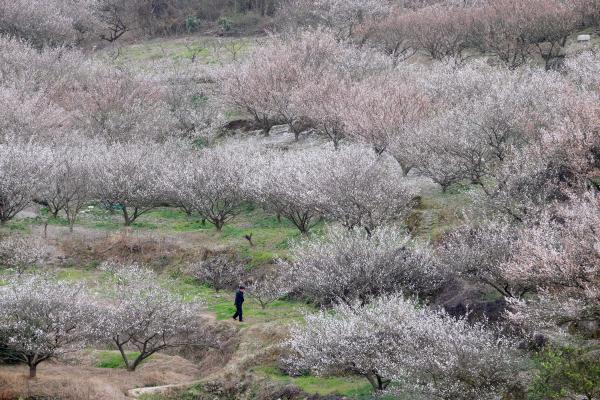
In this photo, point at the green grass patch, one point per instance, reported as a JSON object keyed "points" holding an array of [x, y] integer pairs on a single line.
{"points": [[74, 275], [141, 224], [258, 257], [22, 225], [439, 212], [207, 50], [269, 236], [191, 224], [349, 386], [194, 50], [113, 359], [166, 213], [221, 303], [58, 221]]}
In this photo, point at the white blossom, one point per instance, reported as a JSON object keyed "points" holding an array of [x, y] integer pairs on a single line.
{"points": [[18, 253], [41, 319], [220, 271], [397, 340], [130, 177], [23, 168], [347, 266], [146, 317]]}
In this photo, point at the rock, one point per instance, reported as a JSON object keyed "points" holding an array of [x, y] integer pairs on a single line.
{"points": [[583, 38], [279, 130], [243, 125], [460, 299], [589, 329], [303, 124]]}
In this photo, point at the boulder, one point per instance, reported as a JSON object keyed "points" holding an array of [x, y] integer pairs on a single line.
{"points": [[459, 299], [243, 125], [590, 329], [279, 130], [583, 38]]}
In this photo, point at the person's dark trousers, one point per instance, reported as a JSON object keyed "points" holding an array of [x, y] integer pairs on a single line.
{"points": [[238, 312]]}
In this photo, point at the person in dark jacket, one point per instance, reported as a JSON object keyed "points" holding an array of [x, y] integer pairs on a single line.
{"points": [[239, 300]]}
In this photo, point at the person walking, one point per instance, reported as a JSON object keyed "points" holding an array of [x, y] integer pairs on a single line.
{"points": [[239, 300]]}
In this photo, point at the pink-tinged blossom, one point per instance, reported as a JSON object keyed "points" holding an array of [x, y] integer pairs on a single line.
{"points": [[559, 256]]}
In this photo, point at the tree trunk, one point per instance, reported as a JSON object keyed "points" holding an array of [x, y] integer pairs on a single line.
{"points": [[336, 144], [295, 130], [301, 225], [32, 371], [404, 166], [126, 217], [372, 380], [143, 355], [123, 355], [377, 381]]}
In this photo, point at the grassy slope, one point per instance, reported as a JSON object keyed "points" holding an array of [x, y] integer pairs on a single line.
{"points": [[270, 239], [203, 49], [354, 387], [270, 242]]}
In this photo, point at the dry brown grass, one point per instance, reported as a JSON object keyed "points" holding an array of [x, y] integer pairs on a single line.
{"points": [[10, 382], [69, 382], [125, 246]]}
